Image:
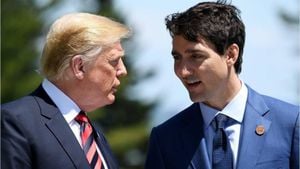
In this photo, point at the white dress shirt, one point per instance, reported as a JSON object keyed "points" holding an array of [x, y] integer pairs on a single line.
{"points": [[68, 108], [235, 109]]}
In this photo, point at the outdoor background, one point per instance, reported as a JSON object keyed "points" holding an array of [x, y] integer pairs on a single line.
{"points": [[151, 93]]}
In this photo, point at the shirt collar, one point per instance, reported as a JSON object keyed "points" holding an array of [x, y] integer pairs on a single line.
{"points": [[208, 113], [235, 109], [66, 105]]}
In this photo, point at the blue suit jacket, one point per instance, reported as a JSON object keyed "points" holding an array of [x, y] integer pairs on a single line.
{"points": [[35, 135], [179, 143]]}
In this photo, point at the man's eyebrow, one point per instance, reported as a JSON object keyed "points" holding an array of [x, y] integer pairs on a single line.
{"points": [[195, 51], [189, 51]]}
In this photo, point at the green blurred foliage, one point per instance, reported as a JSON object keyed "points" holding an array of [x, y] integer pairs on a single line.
{"points": [[124, 122], [19, 29]]}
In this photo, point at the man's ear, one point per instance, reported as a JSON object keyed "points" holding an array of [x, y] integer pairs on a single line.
{"points": [[232, 54], [77, 66]]}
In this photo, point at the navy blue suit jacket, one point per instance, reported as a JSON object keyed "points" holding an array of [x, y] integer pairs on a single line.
{"points": [[179, 143], [35, 135]]}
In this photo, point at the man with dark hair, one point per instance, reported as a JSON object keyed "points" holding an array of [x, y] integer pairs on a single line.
{"points": [[229, 125]]}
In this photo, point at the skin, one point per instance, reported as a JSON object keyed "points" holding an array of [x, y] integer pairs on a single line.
{"points": [[94, 85], [209, 77]]}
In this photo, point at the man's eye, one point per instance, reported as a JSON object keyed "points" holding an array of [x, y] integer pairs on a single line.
{"points": [[114, 62], [176, 57], [197, 56]]}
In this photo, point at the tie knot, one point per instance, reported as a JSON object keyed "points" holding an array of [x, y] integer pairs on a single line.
{"points": [[82, 118], [221, 120]]}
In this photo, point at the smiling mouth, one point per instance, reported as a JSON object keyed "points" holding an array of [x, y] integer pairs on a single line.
{"points": [[193, 83]]}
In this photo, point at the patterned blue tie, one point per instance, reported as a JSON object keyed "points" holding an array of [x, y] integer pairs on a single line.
{"points": [[222, 153]]}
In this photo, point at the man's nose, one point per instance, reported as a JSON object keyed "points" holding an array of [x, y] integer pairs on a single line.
{"points": [[121, 71], [183, 71]]}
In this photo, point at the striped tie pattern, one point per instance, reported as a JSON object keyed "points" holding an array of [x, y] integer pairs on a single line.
{"points": [[89, 145]]}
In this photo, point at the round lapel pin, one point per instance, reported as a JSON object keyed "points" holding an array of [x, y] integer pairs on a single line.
{"points": [[260, 130]]}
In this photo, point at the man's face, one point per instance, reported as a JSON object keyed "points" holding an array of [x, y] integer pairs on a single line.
{"points": [[102, 78], [202, 71]]}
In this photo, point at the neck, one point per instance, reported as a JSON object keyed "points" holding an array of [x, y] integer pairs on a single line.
{"points": [[68, 87], [226, 94]]}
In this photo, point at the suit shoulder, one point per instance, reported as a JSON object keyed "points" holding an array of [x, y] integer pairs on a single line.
{"points": [[276, 101], [282, 111], [18, 116], [277, 104], [18, 105], [179, 119], [274, 105]]}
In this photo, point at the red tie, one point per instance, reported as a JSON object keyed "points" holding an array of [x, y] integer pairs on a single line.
{"points": [[89, 145]]}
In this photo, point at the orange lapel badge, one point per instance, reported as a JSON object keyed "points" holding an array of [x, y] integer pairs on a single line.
{"points": [[260, 130]]}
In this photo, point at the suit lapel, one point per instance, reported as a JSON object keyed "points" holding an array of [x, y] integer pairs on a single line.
{"points": [[57, 125], [67, 140], [252, 143], [192, 137], [200, 159], [105, 150]]}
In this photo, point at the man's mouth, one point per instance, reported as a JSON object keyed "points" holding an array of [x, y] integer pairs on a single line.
{"points": [[193, 82], [114, 89]]}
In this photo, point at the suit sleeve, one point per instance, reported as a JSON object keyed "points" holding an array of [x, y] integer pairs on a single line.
{"points": [[154, 158], [15, 150], [295, 147]]}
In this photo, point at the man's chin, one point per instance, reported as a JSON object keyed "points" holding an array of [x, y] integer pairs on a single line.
{"points": [[194, 98], [111, 99]]}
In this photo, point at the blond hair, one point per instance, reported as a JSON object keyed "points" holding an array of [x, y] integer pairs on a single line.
{"points": [[77, 34]]}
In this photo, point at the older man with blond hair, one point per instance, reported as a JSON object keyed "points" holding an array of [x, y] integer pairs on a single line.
{"points": [[48, 129]]}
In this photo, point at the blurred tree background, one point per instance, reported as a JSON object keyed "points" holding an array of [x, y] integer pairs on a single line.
{"points": [[23, 23], [291, 19]]}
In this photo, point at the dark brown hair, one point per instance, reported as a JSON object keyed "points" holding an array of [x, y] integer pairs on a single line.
{"points": [[217, 22]]}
